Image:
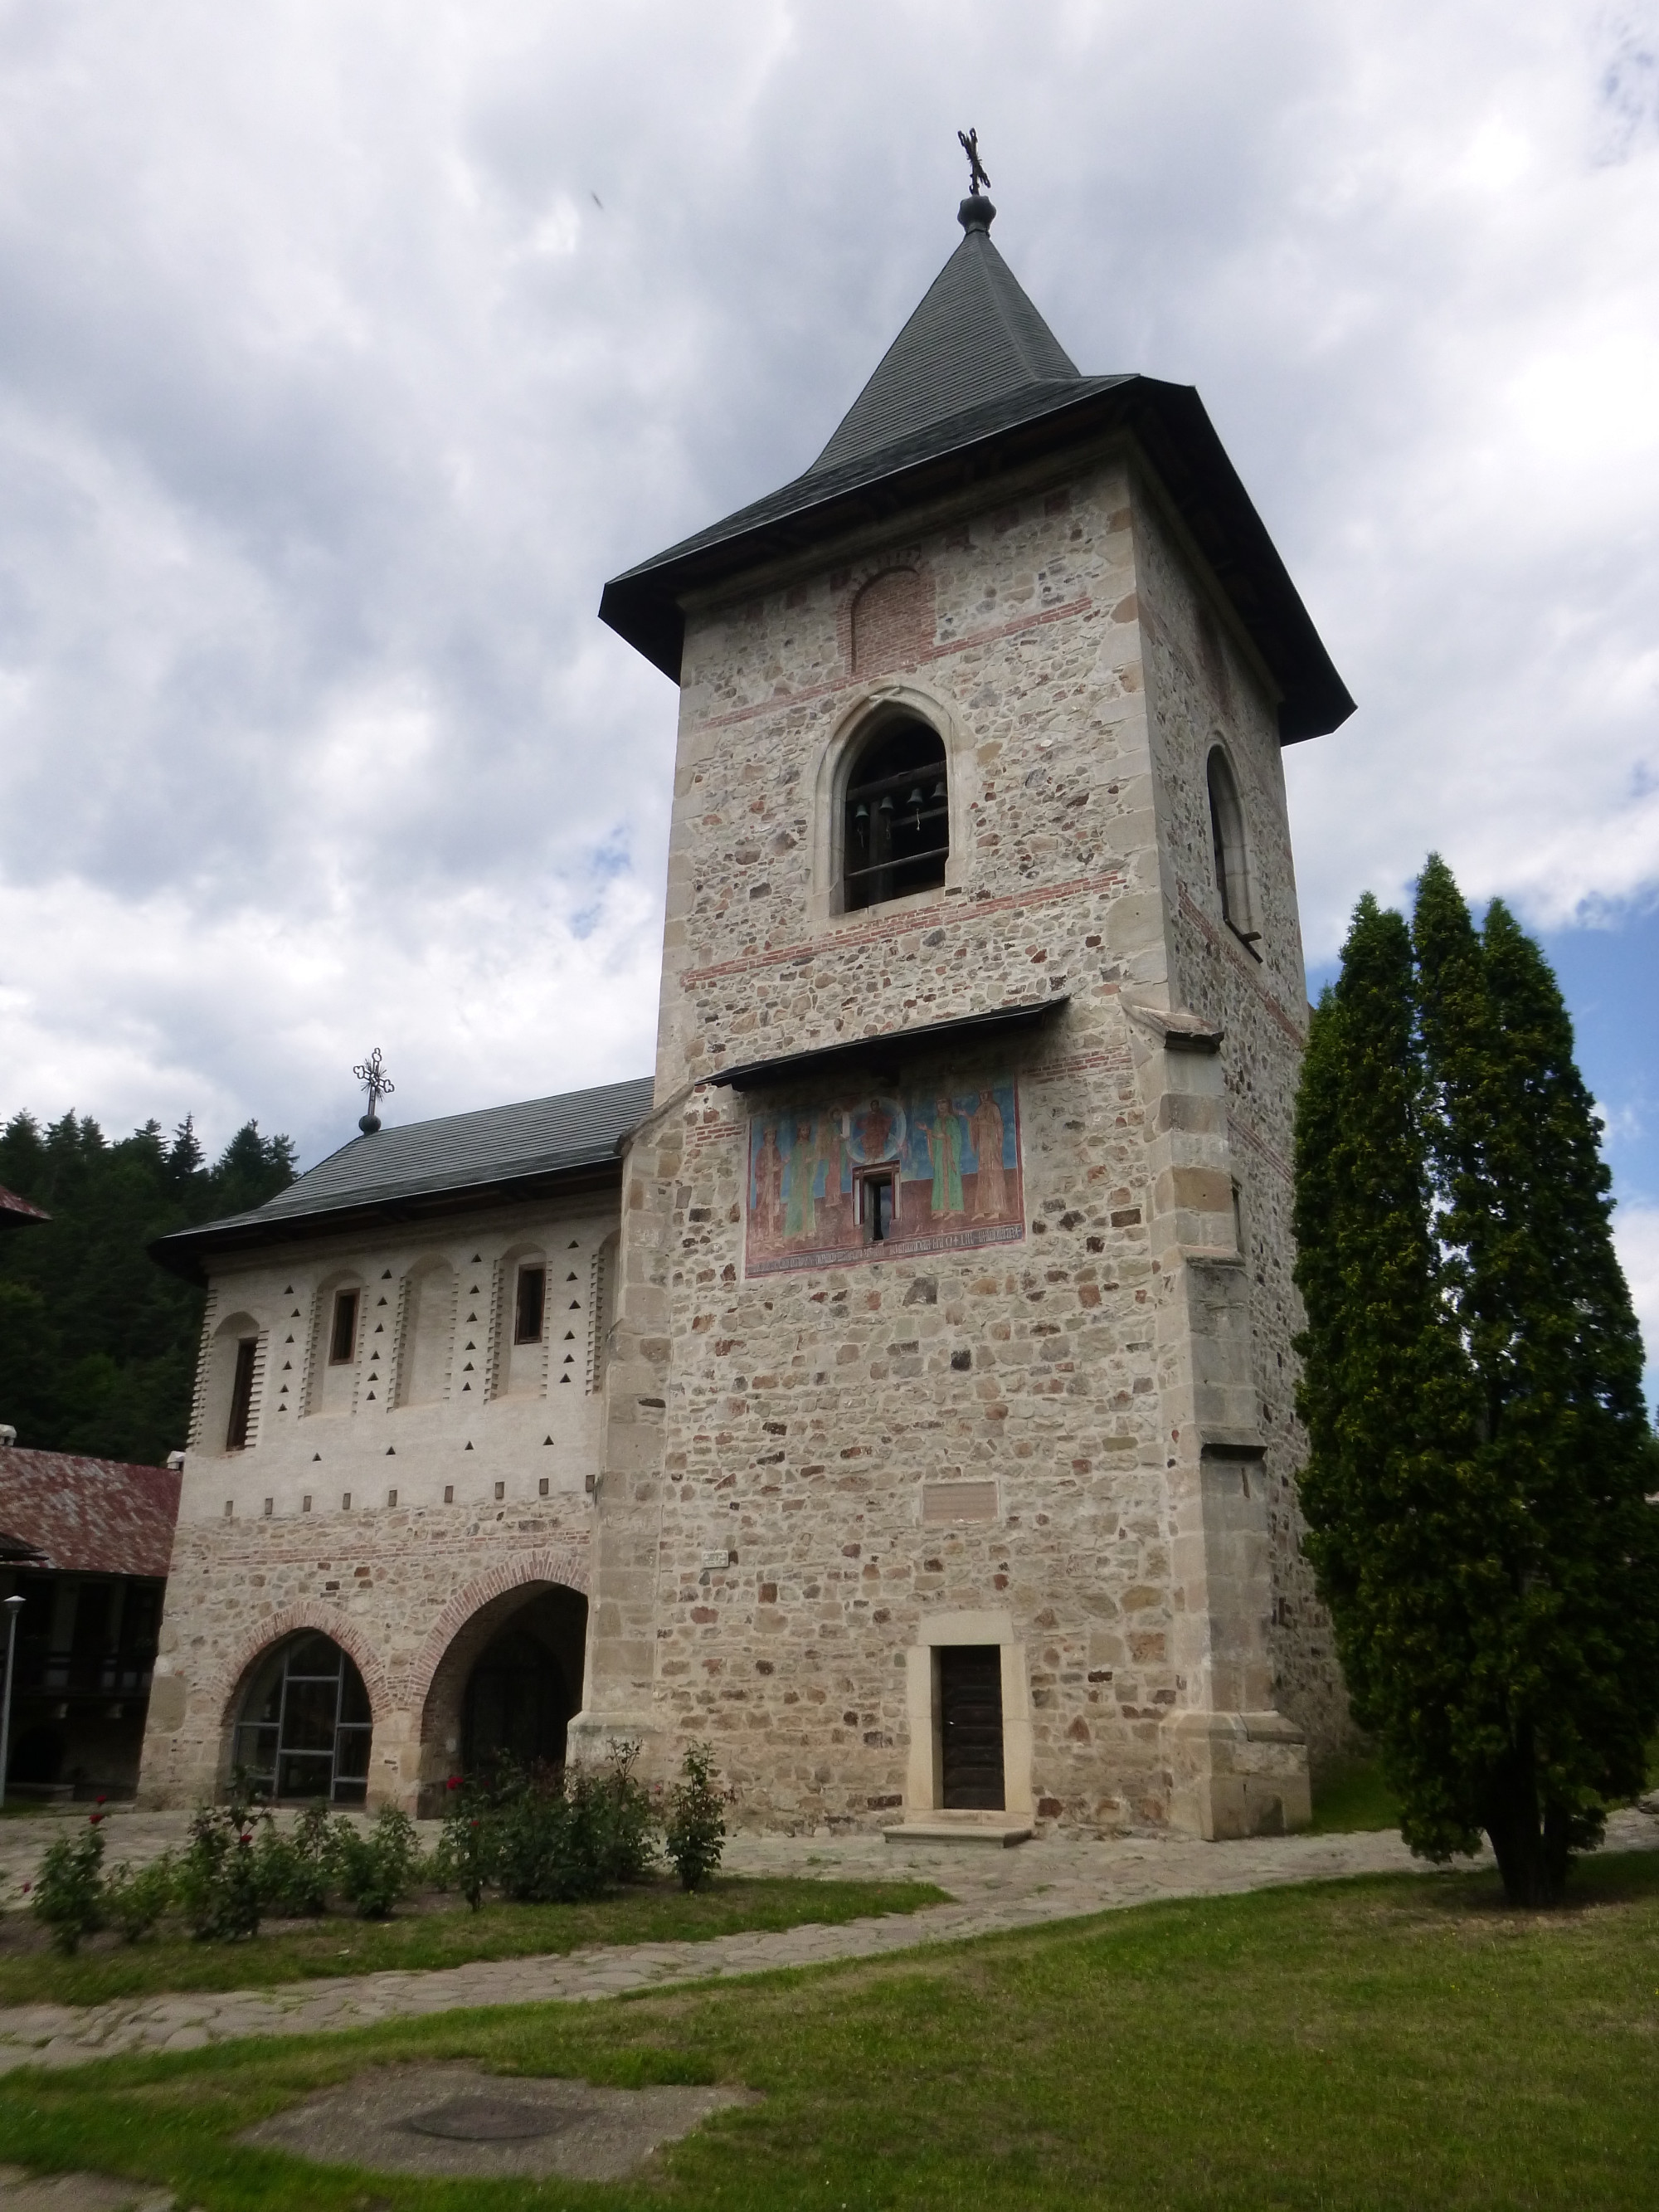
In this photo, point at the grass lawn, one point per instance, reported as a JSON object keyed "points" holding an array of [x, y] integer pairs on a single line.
{"points": [[1386, 2043], [447, 1936], [1347, 1799]]}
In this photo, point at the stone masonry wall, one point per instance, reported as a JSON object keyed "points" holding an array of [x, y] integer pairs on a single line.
{"points": [[1204, 688], [789, 1459]]}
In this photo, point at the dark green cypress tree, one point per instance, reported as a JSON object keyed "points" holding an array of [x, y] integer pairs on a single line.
{"points": [[1387, 1396], [1479, 1461], [1563, 1590]]}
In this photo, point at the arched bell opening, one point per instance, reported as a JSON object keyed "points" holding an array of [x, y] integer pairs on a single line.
{"points": [[505, 1690], [895, 825], [303, 1724]]}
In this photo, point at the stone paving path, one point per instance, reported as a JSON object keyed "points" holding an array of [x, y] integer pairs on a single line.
{"points": [[78, 2192], [1042, 1882]]}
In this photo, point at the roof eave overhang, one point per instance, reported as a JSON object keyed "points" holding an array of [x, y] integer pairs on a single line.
{"points": [[187, 1251], [1178, 441], [889, 1051]]}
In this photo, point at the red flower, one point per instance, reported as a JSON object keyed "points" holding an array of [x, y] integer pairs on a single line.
{"points": [[94, 1818], [454, 1782], [103, 1801]]}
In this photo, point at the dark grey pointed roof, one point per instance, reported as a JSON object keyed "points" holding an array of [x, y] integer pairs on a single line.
{"points": [[975, 339], [423, 1167], [975, 384]]}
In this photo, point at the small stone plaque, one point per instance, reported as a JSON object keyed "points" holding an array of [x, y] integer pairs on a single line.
{"points": [[945, 1502]]}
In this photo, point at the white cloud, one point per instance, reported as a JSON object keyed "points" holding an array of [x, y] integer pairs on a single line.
{"points": [[347, 349], [131, 1000]]}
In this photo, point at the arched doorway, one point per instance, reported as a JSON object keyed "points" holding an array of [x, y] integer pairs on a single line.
{"points": [[525, 1683], [303, 1726], [506, 1682]]}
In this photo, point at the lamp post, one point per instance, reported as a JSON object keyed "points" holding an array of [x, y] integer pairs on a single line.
{"points": [[14, 1606]]}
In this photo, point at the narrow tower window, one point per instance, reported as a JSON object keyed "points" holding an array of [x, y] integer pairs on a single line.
{"points": [[241, 1395], [1227, 851], [878, 1205], [896, 831], [342, 1337], [530, 1305]]}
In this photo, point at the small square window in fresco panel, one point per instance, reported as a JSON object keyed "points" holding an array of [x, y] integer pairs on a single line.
{"points": [[955, 1154]]}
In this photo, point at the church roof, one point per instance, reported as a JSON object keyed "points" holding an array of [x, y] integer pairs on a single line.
{"points": [[424, 1168], [18, 1212], [975, 339], [976, 383], [92, 1517]]}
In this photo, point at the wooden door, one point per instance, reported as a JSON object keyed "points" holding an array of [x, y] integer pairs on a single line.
{"points": [[971, 1725]]}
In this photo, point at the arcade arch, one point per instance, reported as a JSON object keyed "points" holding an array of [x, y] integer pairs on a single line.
{"points": [[506, 1686], [302, 1722]]}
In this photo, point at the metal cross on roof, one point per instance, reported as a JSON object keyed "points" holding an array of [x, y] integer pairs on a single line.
{"points": [[977, 172], [371, 1073]]}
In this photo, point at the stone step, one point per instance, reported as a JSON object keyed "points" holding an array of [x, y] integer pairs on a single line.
{"points": [[960, 1828]]}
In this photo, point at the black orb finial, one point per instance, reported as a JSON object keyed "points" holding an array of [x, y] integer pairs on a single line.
{"points": [[976, 212], [371, 1073]]}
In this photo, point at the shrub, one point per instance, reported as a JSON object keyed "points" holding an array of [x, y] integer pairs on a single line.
{"points": [[69, 1890], [548, 1844], [547, 1835], [376, 1871], [465, 1856], [294, 1871], [694, 1832], [134, 1902], [219, 1880], [626, 1818]]}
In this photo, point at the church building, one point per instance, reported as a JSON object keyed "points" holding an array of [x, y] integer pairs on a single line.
{"points": [[894, 1390]]}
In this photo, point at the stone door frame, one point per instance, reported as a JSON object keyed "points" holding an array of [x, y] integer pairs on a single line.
{"points": [[924, 1788]]}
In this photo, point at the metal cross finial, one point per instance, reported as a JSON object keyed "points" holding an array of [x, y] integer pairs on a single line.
{"points": [[371, 1073], [977, 173]]}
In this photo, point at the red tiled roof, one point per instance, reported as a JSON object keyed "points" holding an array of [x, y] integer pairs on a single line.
{"points": [[17, 1213], [96, 1516]]}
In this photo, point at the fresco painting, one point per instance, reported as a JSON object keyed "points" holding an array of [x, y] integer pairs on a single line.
{"points": [[954, 1152]]}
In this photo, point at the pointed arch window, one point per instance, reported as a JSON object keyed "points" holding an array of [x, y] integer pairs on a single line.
{"points": [[896, 835]]}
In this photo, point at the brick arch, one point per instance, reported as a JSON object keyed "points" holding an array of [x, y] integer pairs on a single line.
{"points": [[566, 1564], [323, 1620], [890, 618]]}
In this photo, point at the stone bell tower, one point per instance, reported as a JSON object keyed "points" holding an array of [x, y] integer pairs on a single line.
{"points": [[950, 1472]]}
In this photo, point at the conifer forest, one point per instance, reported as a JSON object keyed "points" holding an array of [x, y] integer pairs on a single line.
{"points": [[97, 1344]]}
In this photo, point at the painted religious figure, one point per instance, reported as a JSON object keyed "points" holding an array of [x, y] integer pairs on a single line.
{"points": [[951, 1159]]}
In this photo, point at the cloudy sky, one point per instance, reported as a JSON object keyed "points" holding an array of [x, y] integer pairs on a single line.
{"points": [[346, 347]]}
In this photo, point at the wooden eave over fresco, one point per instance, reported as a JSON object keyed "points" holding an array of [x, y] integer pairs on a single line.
{"points": [[888, 1052]]}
